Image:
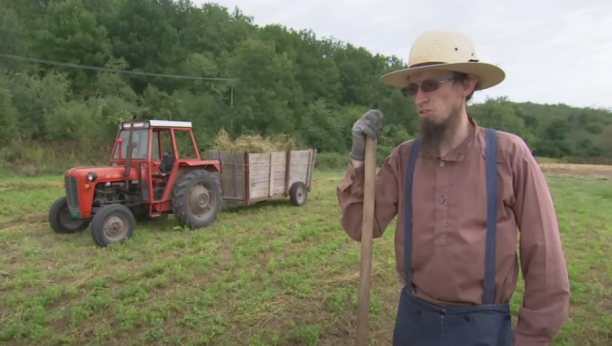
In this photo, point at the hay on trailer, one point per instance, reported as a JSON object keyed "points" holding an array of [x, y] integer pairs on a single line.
{"points": [[253, 143], [232, 162]]}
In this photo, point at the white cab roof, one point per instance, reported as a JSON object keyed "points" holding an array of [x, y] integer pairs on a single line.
{"points": [[170, 123], [157, 123]]}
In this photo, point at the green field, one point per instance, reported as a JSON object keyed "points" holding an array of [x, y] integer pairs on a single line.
{"points": [[270, 274]]}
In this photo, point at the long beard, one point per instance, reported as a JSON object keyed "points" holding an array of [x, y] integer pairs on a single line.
{"points": [[436, 132]]}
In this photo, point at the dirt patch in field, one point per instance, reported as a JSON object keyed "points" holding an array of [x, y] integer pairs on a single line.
{"points": [[24, 219], [596, 171], [12, 185]]}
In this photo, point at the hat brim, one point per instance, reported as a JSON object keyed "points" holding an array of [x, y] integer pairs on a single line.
{"points": [[488, 75]]}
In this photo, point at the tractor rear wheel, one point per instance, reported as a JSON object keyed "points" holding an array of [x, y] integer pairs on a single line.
{"points": [[196, 198], [112, 223], [62, 221]]}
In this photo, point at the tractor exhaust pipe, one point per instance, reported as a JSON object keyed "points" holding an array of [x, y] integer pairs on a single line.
{"points": [[128, 158]]}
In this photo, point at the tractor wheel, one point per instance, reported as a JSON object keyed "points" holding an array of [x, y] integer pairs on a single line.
{"points": [[112, 223], [196, 199], [298, 193], [62, 221]]}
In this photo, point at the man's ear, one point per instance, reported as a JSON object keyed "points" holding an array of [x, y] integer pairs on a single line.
{"points": [[469, 84]]}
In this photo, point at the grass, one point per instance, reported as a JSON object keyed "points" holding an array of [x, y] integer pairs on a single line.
{"points": [[270, 274]]}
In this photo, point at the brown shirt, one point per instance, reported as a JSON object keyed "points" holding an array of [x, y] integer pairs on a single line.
{"points": [[449, 228]]}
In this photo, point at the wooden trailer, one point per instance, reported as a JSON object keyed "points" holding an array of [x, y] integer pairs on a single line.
{"points": [[247, 178]]}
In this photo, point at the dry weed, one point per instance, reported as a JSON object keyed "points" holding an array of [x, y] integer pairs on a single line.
{"points": [[583, 170], [253, 143]]}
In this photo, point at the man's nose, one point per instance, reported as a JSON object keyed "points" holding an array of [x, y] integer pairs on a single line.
{"points": [[420, 97]]}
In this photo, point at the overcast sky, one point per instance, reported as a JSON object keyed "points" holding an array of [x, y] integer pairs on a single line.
{"points": [[553, 51]]}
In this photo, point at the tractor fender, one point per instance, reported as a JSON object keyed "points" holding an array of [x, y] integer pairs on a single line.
{"points": [[209, 165]]}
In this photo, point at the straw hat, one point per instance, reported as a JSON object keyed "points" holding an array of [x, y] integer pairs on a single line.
{"points": [[445, 50]]}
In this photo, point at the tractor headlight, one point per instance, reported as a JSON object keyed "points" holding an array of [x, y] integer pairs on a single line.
{"points": [[92, 176]]}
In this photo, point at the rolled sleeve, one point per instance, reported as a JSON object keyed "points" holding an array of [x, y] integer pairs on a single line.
{"points": [[350, 198]]}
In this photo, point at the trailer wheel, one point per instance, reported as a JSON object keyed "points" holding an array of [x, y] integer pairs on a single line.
{"points": [[196, 199], [298, 193], [113, 223], [62, 222]]}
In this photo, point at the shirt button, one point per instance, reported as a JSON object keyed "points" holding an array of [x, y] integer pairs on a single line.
{"points": [[441, 200], [441, 240], [441, 164]]}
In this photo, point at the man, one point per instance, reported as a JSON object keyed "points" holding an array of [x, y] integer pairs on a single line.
{"points": [[459, 270]]}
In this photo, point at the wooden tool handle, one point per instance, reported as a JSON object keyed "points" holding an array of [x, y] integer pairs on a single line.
{"points": [[366, 242]]}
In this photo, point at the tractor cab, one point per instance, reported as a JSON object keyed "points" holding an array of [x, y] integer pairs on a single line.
{"points": [[155, 169], [156, 148]]}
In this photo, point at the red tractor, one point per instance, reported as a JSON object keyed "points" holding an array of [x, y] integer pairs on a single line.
{"points": [[147, 179]]}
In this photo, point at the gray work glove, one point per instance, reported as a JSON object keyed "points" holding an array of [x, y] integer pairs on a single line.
{"points": [[371, 125]]}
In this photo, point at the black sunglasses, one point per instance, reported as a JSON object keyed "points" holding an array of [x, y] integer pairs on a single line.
{"points": [[427, 85]]}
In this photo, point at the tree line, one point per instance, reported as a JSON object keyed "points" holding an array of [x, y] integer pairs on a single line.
{"points": [[287, 81]]}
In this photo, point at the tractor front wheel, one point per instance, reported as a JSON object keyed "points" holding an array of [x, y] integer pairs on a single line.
{"points": [[196, 198], [112, 223], [62, 221]]}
